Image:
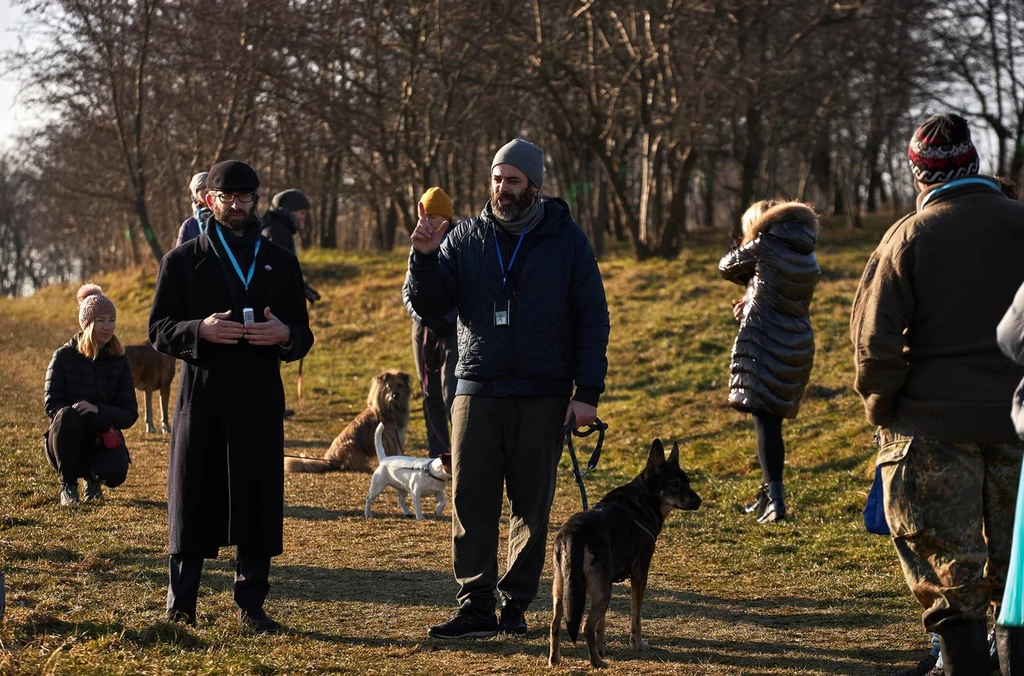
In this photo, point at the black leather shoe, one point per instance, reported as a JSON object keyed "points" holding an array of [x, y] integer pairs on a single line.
{"points": [[965, 648], [288, 413], [259, 621], [512, 621], [180, 617]]}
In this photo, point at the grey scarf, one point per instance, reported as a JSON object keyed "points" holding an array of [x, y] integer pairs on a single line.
{"points": [[529, 220]]}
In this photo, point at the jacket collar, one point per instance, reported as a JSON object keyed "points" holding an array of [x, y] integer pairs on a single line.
{"points": [[943, 192]]}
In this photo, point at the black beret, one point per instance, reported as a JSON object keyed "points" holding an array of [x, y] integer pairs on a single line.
{"points": [[232, 176], [291, 200]]}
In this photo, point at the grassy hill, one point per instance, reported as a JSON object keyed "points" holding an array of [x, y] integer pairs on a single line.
{"points": [[814, 595]]}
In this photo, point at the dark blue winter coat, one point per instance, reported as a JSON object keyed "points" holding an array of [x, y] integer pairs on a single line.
{"points": [[558, 329]]}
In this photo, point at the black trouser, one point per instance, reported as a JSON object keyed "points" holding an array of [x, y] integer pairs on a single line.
{"points": [[771, 452], [252, 581], [515, 443], [436, 358], [76, 452]]}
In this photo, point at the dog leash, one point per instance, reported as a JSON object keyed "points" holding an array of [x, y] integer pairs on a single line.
{"points": [[570, 432]]}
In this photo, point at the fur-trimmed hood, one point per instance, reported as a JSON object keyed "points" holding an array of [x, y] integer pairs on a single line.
{"points": [[793, 222]]}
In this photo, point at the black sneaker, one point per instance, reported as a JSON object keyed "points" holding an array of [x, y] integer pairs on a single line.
{"points": [[512, 621], [926, 667], [466, 623]]}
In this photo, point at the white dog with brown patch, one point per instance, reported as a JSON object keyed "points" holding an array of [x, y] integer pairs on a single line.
{"points": [[409, 476]]}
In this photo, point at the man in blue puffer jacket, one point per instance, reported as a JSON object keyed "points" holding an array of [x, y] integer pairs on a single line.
{"points": [[532, 325]]}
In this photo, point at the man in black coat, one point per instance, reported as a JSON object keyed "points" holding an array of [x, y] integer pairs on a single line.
{"points": [[230, 305], [533, 325]]}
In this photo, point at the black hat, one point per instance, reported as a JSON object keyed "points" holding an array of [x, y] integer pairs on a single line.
{"points": [[290, 200], [232, 176]]}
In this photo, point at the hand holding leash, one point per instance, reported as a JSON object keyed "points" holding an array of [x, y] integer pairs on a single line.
{"points": [[583, 414], [570, 431]]}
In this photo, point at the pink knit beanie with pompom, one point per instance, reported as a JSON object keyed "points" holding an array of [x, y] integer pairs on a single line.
{"points": [[92, 302]]}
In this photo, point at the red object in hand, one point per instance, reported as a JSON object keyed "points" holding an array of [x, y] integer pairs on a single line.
{"points": [[111, 437]]}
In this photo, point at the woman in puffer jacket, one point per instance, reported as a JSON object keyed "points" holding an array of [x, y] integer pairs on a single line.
{"points": [[89, 390], [774, 349]]}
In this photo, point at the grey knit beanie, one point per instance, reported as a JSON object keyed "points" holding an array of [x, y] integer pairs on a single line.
{"points": [[525, 157]]}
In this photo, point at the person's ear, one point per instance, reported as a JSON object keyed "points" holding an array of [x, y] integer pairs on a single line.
{"points": [[209, 200]]}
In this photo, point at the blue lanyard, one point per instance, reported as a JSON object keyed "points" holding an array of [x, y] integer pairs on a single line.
{"points": [[501, 262], [956, 184], [231, 257]]}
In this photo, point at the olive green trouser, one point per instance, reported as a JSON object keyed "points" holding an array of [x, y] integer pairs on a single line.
{"points": [[513, 442], [950, 507]]}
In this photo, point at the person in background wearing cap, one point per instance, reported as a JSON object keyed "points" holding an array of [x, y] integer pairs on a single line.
{"points": [[190, 229], [287, 213], [434, 343], [933, 380], [89, 389], [533, 324], [230, 305]]}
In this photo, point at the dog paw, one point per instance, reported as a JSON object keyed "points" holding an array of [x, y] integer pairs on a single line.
{"points": [[150, 429], [639, 644], [554, 660], [598, 663]]}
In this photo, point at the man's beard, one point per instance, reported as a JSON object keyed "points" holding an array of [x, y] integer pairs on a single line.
{"points": [[225, 215], [514, 210]]}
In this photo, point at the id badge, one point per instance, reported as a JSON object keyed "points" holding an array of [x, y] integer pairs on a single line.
{"points": [[502, 312], [248, 316]]}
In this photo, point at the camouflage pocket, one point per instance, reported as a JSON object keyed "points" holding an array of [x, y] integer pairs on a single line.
{"points": [[899, 486]]}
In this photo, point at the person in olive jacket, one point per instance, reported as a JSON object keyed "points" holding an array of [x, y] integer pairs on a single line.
{"points": [[532, 326], [89, 389], [774, 349], [230, 305]]}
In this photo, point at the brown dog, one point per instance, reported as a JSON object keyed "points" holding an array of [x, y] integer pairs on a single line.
{"points": [[152, 371], [353, 449], [609, 543]]}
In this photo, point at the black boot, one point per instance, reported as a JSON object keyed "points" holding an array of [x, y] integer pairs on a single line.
{"points": [[965, 648], [775, 510], [760, 502], [1010, 645]]}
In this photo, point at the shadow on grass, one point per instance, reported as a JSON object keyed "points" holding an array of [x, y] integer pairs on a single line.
{"points": [[159, 633], [303, 443], [316, 513]]}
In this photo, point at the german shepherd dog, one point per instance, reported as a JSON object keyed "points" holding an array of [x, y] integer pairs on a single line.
{"points": [[609, 543], [353, 449], [152, 371]]}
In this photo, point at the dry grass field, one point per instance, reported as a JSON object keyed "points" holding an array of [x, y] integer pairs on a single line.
{"points": [[814, 595]]}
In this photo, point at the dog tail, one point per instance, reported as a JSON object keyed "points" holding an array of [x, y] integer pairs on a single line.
{"points": [[574, 586], [378, 442], [309, 465]]}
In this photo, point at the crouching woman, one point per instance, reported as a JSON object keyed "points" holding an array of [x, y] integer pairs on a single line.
{"points": [[90, 398]]}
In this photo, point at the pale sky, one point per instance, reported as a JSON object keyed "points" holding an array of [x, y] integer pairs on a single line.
{"points": [[12, 117]]}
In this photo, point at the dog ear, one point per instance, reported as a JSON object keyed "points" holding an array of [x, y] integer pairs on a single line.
{"points": [[405, 378], [657, 455], [673, 457]]}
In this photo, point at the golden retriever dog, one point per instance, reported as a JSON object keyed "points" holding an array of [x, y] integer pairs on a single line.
{"points": [[353, 450]]}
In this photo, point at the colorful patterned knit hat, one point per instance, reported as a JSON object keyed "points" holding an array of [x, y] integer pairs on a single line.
{"points": [[941, 150], [92, 302]]}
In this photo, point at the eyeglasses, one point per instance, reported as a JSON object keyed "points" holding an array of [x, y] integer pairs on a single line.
{"points": [[228, 197]]}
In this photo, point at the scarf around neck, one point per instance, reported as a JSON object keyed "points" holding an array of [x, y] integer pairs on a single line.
{"points": [[533, 216]]}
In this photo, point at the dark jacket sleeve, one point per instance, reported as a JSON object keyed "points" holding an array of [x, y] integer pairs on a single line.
{"points": [[296, 316], [1010, 332], [740, 264], [170, 331], [433, 279], [123, 410], [443, 326], [882, 308], [55, 388], [590, 319]]}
